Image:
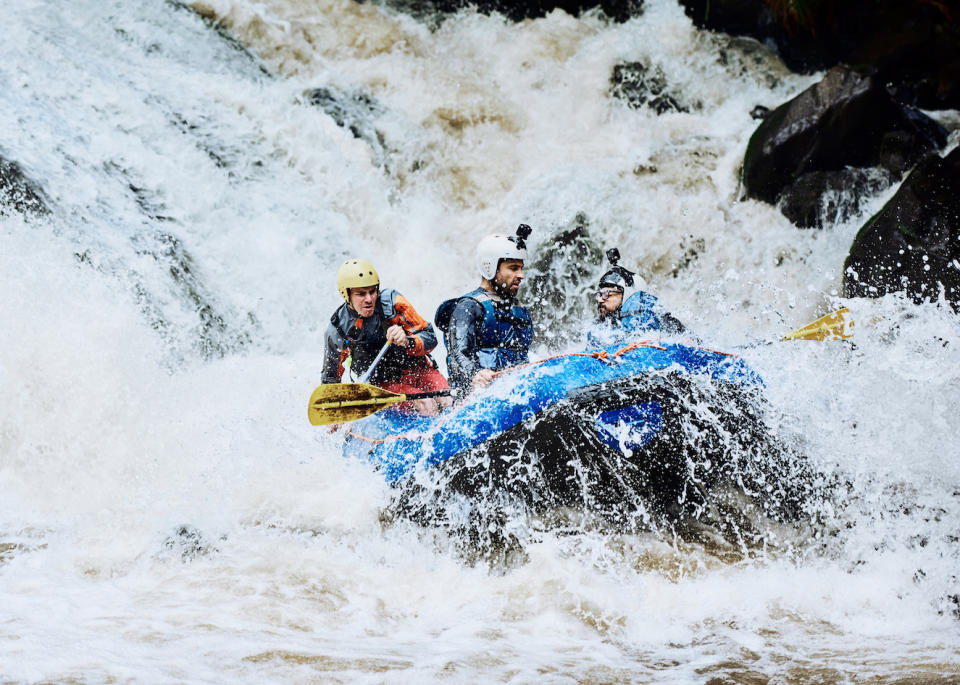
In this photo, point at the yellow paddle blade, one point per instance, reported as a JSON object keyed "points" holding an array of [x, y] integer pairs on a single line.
{"points": [[341, 402], [834, 326]]}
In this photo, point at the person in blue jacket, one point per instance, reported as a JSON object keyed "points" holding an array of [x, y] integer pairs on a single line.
{"points": [[641, 313], [487, 330]]}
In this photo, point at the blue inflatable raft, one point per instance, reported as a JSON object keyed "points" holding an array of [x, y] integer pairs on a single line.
{"points": [[640, 429]]}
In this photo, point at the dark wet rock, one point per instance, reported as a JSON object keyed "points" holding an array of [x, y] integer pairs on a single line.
{"points": [[188, 543], [223, 154], [953, 603], [760, 112], [18, 193], [824, 198], [213, 331], [692, 247], [845, 120], [756, 19], [561, 279], [212, 21], [748, 59], [355, 112], [641, 86], [912, 45], [212, 335], [912, 245], [349, 110], [206, 331], [516, 10]]}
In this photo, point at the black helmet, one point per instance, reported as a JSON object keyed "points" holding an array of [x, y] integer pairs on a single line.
{"points": [[617, 276]]}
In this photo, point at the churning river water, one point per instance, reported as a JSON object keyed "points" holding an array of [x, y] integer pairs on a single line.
{"points": [[167, 514]]}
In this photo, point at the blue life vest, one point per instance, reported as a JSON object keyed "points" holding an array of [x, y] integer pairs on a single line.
{"points": [[505, 336], [640, 314]]}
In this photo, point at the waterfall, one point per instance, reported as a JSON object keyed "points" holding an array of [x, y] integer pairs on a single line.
{"points": [[180, 181]]}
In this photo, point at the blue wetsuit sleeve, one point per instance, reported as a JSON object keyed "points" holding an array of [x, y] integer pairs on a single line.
{"points": [[462, 345]]}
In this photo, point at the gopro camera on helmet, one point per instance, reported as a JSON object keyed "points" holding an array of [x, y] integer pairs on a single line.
{"points": [[523, 232], [616, 276]]}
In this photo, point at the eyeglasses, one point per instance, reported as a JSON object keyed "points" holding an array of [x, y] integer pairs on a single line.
{"points": [[604, 293]]}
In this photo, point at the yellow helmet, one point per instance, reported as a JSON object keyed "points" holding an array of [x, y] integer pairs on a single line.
{"points": [[356, 273]]}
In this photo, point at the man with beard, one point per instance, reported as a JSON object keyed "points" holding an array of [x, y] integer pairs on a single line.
{"points": [[642, 313], [487, 330]]}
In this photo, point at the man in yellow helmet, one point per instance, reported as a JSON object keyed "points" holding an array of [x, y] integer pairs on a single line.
{"points": [[365, 322]]}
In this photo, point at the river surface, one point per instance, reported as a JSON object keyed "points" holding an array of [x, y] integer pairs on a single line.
{"points": [[167, 514]]}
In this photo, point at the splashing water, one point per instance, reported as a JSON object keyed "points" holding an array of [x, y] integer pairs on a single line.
{"points": [[167, 514]]}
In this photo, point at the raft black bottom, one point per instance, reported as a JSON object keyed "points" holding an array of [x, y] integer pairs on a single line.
{"points": [[713, 454]]}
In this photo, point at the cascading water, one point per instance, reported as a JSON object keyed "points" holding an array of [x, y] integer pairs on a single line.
{"points": [[188, 179]]}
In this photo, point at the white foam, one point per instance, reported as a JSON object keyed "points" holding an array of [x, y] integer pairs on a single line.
{"points": [[117, 430]]}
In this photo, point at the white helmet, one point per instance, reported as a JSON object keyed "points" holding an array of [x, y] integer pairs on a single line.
{"points": [[495, 247]]}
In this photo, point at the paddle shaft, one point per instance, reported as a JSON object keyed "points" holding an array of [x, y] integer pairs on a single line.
{"points": [[369, 372], [837, 325], [424, 395], [339, 404]]}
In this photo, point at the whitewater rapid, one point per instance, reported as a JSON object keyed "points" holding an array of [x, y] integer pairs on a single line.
{"points": [[167, 514]]}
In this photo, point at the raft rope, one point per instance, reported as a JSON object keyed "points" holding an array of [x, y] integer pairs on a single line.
{"points": [[599, 355]]}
